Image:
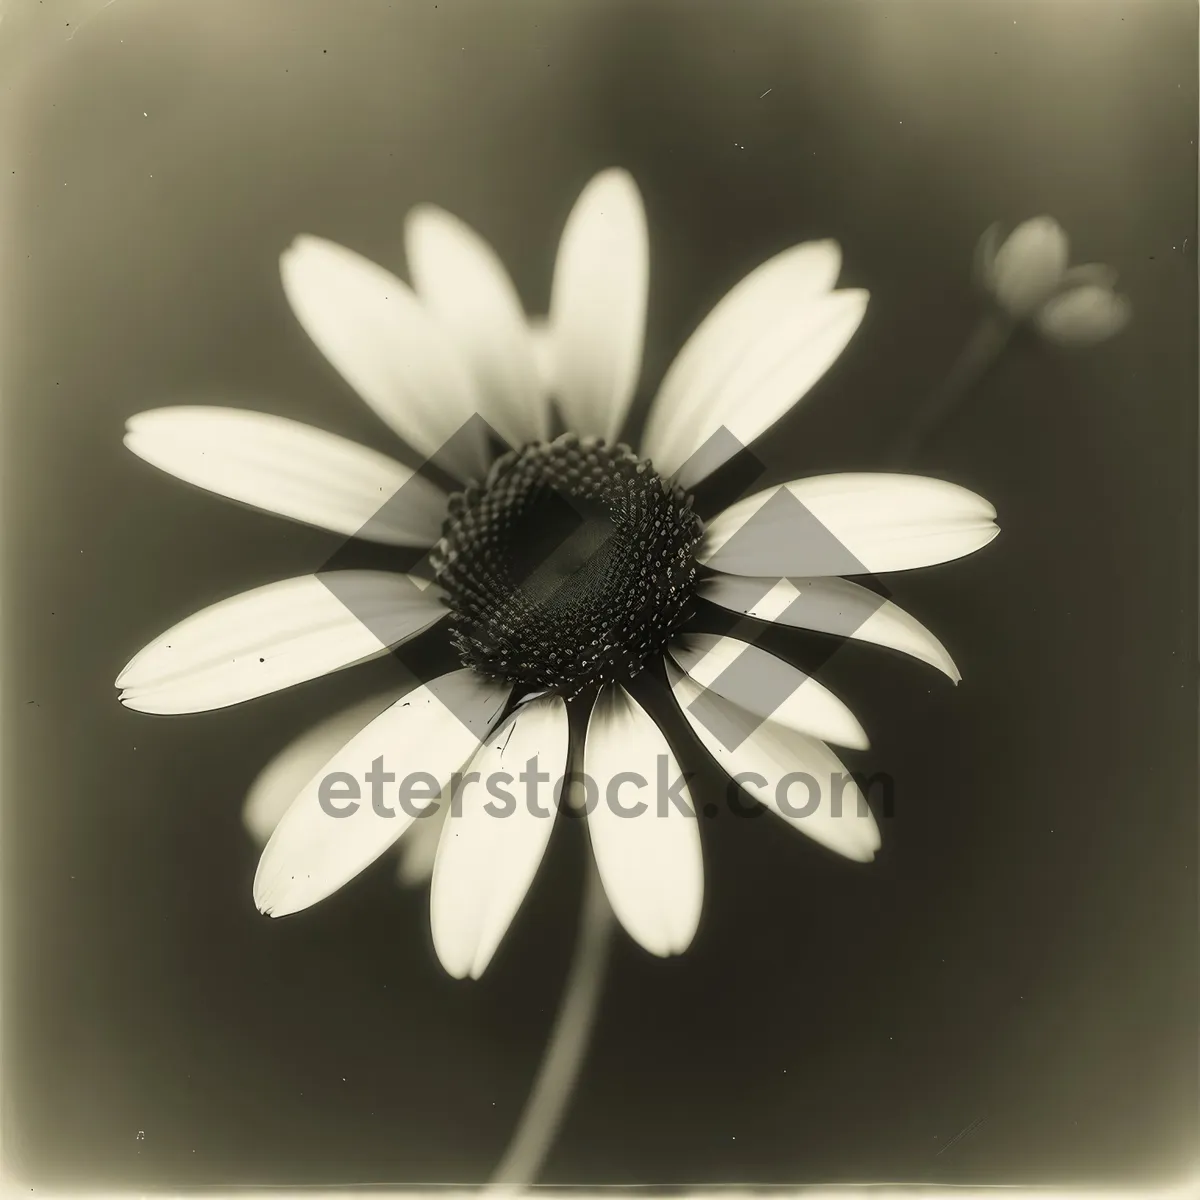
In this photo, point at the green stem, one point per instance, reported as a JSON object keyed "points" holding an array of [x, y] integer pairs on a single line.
{"points": [[981, 351], [565, 1051]]}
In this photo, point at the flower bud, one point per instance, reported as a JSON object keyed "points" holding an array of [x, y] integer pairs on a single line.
{"points": [[1024, 271], [1083, 315]]}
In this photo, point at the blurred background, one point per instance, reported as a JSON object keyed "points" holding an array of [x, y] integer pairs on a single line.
{"points": [[1019, 963]]}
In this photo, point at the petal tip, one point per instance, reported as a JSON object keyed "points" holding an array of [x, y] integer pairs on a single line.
{"points": [[616, 184], [614, 177], [303, 247], [428, 220], [425, 210], [147, 416], [274, 902], [456, 968], [304, 241]]}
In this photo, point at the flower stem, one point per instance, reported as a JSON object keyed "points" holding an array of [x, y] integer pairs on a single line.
{"points": [[981, 351], [565, 1051]]}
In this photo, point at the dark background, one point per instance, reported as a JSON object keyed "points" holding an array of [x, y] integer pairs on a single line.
{"points": [[1023, 952]]}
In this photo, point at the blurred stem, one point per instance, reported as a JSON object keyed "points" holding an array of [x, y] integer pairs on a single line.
{"points": [[980, 353], [565, 1051]]}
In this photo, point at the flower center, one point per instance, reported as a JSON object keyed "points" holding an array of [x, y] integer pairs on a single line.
{"points": [[570, 566]]}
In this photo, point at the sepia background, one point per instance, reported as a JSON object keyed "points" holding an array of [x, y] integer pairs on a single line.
{"points": [[1020, 962]]}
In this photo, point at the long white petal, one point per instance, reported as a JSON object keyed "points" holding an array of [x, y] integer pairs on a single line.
{"points": [[292, 470], [851, 524], [784, 359], [280, 781], [783, 284], [334, 829], [830, 605], [494, 838], [598, 305], [384, 343], [275, 636], [542, 341], [417, 851], [759, 682], [463, 283], [645, 837], [795, 776]]}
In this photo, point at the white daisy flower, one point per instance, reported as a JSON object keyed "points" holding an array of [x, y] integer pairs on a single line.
{"points": [[542, 621]]}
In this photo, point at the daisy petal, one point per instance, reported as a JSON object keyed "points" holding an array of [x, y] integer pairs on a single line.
{"points": [[646, 839], [543, 353], [292, 470], [849, 524], [598, 305], [328, 836], [275, 636], [495, 835], [830, 605], [795, 776], [280, 781], [381, 340], [786, 356], [762, 684], [792, 278], [464, 284], [414, 867]]}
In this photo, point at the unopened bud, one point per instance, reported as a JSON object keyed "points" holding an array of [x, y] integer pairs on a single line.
{"points": [[1027, 268], [1083, 316]]}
